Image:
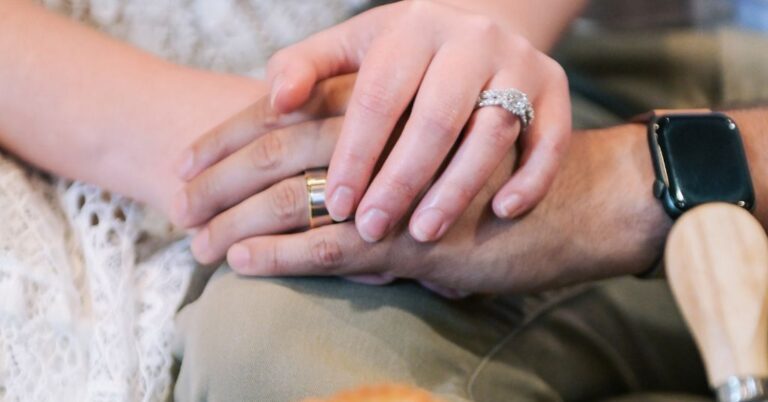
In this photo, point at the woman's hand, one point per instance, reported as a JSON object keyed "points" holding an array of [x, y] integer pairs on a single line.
{"points": [[440, 58]]}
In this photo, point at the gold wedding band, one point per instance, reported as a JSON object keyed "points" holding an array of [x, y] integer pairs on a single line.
{"points": [[318, 213]]}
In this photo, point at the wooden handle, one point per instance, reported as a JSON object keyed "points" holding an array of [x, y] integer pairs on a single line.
{"points": [[717, 265]]}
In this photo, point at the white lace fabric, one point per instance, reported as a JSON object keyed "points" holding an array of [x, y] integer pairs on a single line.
{"points": [[90, 281]]}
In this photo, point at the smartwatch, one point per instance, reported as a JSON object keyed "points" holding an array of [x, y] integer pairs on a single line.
{"points": [[698, 157]]}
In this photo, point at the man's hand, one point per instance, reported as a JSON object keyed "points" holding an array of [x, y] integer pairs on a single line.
{"points": [[600, 219], [246, 154]]}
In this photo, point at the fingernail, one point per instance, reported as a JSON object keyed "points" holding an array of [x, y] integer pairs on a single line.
{"points": [[511, 206], [184, 165], [277, 85], [179, 207], [429, 225], [201, 244], [239, 257], [341, 203], [373, 225]]}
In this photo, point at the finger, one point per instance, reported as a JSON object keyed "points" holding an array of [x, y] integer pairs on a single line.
{"points": [[488, 139], [543, 146], [267, 160], [329, 250], [439, 114], [329, 98], [281, 208], [294, 70], [382, 93]]}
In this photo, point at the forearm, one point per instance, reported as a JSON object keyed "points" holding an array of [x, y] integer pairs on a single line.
{"points": [[79, 104], [614, 222], [542, 22]]}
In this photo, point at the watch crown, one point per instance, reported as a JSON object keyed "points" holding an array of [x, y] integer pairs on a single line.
{"points": [[741, 204]]}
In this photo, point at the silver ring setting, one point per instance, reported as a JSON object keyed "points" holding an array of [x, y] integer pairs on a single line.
{"points": [[511, 100], [316, 182]]}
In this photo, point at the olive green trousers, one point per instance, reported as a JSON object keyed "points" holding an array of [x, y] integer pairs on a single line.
{"points": [[246, 339]]}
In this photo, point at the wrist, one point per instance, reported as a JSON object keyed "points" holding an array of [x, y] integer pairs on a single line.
{"points": [[628, 225], [195, 102], [637, 238]]}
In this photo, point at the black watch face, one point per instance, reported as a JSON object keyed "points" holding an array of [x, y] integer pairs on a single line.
{"points": [[703, 160]]}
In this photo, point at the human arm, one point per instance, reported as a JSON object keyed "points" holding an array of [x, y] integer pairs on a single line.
{"points": [[82, 105], [599, 220]]}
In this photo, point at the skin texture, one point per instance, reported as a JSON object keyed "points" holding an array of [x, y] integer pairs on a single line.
{"points": [[131, 110], [444, 56], [598, 220], [574, 234]]}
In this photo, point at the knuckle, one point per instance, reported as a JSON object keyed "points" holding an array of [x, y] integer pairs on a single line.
{"points": [[284, 202], [441, 121], [325, 252], [357, 168], [521, 46], [464, 195], [418, 8], [200, 196], [210, 147], [484, 26], [376, 99], [269, 261], [460, 195], [502, 135], [500, 132], [267, 152], [401, 187], [261, 117]]}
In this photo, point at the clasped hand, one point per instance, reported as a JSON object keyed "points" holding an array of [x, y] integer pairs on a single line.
{"points": [[446, 164]]}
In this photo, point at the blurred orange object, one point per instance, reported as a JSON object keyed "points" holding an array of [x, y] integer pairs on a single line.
{"points": [[381, 393]]}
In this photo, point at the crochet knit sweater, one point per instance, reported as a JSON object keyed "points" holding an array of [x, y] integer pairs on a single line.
{"points": [[90, 281]]}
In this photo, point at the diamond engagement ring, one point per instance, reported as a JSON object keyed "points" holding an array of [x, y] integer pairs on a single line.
{"points": [[511, 100]]}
